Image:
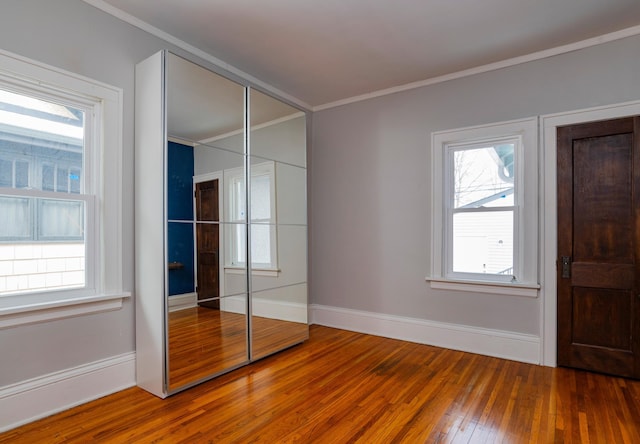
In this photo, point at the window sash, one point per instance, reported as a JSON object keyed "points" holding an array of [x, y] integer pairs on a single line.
{"points": [[63, 189]]}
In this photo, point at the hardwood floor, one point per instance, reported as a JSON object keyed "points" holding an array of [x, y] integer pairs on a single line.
{"points": [[204, 341], [343, 387]]}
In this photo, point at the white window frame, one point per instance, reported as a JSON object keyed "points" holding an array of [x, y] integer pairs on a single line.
{"points": [[524, 281], [103, 194], [231, 176]]}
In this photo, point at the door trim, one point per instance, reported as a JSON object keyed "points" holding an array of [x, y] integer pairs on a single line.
{"points": [[548, 213]]}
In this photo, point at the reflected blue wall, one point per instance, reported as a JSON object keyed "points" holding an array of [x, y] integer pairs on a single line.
{"points": [[180, 208]]}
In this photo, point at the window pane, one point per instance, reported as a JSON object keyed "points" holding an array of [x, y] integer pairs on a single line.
{"points": [[62, 182], [22, 174], [483, 177], [15, 218], [240, 244], [48, 135], [260, 245], [260, 197], [32, 261], [6, 173], [74, 178], [238, 201], [60, 219], [47, 177], [483, 242]]}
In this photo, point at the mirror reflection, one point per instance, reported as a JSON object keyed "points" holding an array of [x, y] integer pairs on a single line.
{"points": [[206, 334], [208, 208], [278, 225]]}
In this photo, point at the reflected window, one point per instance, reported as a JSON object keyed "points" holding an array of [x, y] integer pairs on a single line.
{"points": [[263, 229]]}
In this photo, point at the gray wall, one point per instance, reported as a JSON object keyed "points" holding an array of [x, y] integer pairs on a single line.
{"points": [[77, 37], [371, 185]]}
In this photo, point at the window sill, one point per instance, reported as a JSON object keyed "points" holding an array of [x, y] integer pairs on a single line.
{"points": [[268, 272], [502, 288], [16, 315]]}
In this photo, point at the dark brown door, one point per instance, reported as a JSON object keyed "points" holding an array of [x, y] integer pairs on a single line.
{"points": [[598, 241], [207, 243]]}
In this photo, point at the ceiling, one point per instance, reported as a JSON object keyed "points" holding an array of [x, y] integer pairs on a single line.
{"points": [[325, 51]]}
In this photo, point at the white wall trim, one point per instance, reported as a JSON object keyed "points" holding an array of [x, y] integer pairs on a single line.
{"points": [[66, 308], [266, 308], [594, 41], [39, 397], [549, 213], [144, 26], [182, 301], [253, 128], [497, 343]]}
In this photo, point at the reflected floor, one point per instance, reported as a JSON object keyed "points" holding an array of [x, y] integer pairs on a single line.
{"points": [[204, 341]]}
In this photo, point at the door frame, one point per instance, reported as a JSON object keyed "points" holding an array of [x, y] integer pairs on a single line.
{"points": [[549, 214]]}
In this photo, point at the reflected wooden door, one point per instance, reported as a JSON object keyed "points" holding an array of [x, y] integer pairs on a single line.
{"points": [[598, 239], [208, 243]]}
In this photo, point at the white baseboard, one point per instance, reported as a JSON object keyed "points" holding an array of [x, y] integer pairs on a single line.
{"points": [[39, 397], [496, 343], [182, 301], [267, 308]]}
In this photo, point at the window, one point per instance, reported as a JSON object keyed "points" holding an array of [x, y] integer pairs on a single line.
{"points": [[263, 237], [485, 204], [60, 201]]}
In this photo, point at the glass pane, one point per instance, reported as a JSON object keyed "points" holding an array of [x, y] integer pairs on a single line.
{"points": [[180, 252], [62, 183], [278, 130], [74, 178], [206, 339], [22, 174], [238, 199], [261, 253], [47, 177], [483, 177], [483, 242], [179, 181], [279, 300], [15, 218], [260, 197], [48, 135], [6, 173], [49, 257], [238, 244], [60, 219]]}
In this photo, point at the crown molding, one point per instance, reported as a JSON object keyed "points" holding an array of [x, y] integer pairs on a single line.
{"points": [[594, 41], [144, 26]]}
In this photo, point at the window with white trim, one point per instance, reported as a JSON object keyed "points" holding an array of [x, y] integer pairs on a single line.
{"points": [[60, 192], [485, 204], [264, 251]]}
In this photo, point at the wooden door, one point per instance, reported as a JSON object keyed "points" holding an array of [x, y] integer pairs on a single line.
{"points": [[598, 239], [207, 243]]}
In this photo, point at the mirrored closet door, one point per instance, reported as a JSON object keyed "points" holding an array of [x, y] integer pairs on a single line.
{"points": [[221, 232]]}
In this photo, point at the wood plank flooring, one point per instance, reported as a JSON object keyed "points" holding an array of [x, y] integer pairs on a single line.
{"points": [[344, 387], [205, 341]]}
